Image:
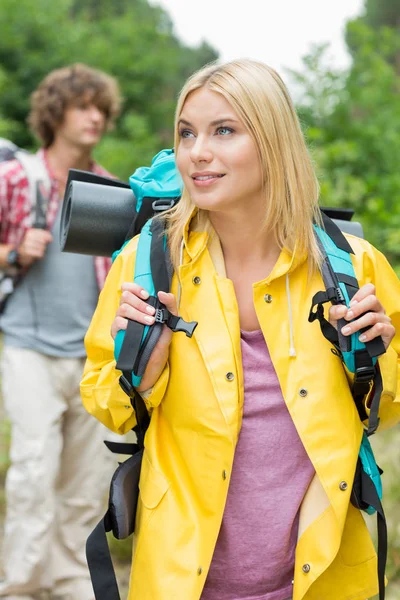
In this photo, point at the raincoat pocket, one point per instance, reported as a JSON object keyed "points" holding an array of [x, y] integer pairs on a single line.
{"points": [[153, 485]]}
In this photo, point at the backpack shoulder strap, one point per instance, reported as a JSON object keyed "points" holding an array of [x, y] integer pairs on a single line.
{"points": [[39, 185], [153, 271], [340, 286]]}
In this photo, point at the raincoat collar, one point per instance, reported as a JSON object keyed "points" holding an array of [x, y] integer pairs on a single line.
{"points": [[197, 235]]}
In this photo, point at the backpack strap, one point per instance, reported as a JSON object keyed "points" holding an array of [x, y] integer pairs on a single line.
{"points": [[153, 271], [119, 518], [39, 190], [340, 287], [148, 209], [39, 186], [366, 495]]}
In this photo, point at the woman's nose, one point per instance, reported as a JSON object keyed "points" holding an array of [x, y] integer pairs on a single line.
{"points": [[201, 150]]}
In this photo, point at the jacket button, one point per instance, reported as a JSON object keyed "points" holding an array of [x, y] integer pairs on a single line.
{"points": [[306, 568], [127, 406], [199, 571], [303, 392], [196, 280], [229, 376], [224, 474], [268, 298], [343, 486]]}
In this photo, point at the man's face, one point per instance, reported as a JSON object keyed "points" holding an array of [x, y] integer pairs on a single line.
{"points": [[83, 124]]}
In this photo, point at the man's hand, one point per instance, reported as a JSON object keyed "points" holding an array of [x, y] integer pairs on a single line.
{"points": [[33, 246]]}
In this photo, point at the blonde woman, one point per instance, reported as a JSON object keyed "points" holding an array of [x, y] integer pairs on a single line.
{"points": [[253, 427]]}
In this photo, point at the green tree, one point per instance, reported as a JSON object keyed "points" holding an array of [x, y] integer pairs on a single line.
{"points": [[378, 15], [130, 39], [352, 121]]}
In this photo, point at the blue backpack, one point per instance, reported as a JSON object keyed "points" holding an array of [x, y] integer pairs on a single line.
{"points": [[360, 359], [156, 189]]}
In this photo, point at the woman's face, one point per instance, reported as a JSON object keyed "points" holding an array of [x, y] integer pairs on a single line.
{"points": [[216, 156]]}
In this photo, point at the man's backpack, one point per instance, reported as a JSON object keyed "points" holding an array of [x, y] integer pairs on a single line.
{"points": [[133, 348], [39, 188]]}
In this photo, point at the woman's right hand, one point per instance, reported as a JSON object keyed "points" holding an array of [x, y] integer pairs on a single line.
{"points": [[133, 306]]}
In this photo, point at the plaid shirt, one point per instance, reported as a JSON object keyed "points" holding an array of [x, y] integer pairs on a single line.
{"points": [[15, 207]]}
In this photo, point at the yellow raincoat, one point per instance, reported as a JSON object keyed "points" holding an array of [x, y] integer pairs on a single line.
{"points": [[196, 417]]}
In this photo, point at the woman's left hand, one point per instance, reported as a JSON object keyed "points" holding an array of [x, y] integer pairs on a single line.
{"points": [[367, 312]]}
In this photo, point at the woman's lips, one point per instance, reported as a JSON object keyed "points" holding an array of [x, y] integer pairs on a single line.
{"points": [[205, 180]]}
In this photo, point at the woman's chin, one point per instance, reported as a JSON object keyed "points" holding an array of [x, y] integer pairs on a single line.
{"points": [[209, 202]]}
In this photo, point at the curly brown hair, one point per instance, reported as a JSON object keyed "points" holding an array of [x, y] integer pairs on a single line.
{"points": [[67, 87]]}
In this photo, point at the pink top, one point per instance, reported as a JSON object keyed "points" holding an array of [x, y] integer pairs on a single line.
{"points": [[254, 555]]}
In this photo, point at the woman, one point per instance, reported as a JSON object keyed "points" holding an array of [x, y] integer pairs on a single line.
{"points": [[254, 435]]}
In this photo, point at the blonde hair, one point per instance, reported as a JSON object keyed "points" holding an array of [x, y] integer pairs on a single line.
{"points": [[261, 100]]}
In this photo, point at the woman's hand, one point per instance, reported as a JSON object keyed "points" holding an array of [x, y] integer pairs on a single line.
{"points": [[133, 306], [367, 312]]}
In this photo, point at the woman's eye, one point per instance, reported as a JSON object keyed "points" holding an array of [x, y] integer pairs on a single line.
{"points": [[185, 133], [224, 130]]}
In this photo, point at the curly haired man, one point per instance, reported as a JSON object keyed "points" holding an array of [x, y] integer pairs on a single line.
{"points": [[59, 470]]}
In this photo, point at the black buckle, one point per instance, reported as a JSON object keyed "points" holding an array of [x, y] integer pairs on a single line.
{"points": [[335, 295], [175, 323], [161, 315], [364, 374], [339, 295]]}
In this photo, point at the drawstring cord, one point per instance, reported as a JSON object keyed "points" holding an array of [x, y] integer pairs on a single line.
{"points": [[292, 349]]}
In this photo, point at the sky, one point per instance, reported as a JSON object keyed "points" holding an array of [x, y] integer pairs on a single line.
{"points": [[278, 32]]}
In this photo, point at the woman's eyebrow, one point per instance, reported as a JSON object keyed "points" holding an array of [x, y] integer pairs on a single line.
{"points": [[214, 123], [224, 120]]}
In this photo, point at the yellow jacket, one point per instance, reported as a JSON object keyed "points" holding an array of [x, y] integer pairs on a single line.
{"points": [[196, 419]]}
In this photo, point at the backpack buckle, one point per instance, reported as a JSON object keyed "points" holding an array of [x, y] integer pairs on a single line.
{"points": [[163, 204], [160, 316], [364, 374], [175, 323], [339, 296]]}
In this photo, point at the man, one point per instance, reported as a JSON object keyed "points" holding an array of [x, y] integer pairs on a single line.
{"points": [[60, 469]]}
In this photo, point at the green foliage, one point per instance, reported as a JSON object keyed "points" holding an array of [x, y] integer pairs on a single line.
{"points": [[352, 122], [381, 13], [129, 39]]}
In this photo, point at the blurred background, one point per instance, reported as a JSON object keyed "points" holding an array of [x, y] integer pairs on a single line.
{"points": [[341, 63]]}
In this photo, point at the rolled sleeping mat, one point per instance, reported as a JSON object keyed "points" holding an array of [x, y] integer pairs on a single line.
{"points": [[95, 218], [97, 213], [342, 217], [353, 227]]}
